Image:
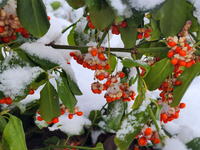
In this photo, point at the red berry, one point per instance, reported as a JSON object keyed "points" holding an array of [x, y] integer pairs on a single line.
{"points": [[31, 91], [19, 30], [178, 82], [174, 61], [1, 29], [181, 62], [182, 53], [156, 141], [55, 120], [124, 24], [170, 54], [177, 49], [122, 75], [182, 105], [62, 112], [79, 113], [49, 18], [93, 52], [101, 56], [8, 100], [6, 39], [88, 18], [3, 100], [146, 35], [115, 28], [25, 35], [148, 131], [107, 67], [49, 122], [171, 44], [91, 25], [140, 36], [13, 37], [142, 141], [70, 116], [39, 118]]}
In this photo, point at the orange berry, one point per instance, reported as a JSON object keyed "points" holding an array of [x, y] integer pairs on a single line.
{"points": [[62, 112], [142, 141], [174, 61], [8, 100], [182, 53], [39, 118], [55, 120], [70, 116], [93, 67], [189, 64], [181, 62], [176, 68], [165, 84], [171, 44], [146, 35], [178, 82], [135, 148], [101, 77], [156, 141], [3, 100], [108, 83], [71, 54], [140, 36], [91, 25], [79, 113], [107, 67], [148, 131], [176, 115], [176, 75], [49, 122], [101, 56], [182, 105], [124, 24], [93, 52], [170, 54], [1, 29], [122, 75], [163, 116], [99, 67], [177, 49]]}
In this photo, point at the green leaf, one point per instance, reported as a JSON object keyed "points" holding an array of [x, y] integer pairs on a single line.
{"points": [[5, 144], [115, 112], [32, 107], [174, 17], [101, 14], [14, 134], [73, 86], [133, 80], [32, 15], [70, 37], [131, 126], [55, 5], [194, 144], [76, 3], [65, 94], [20, 106], [1, 95], [155, 32], [4, 2], [49, 103], [158, 111], [157, 15], [95, 114], [41, 79], [128, 36], [158, 73], [1, 53], [3, 123], [186, 78], [136, 63], [112, 60], [53, 140], [135, 20], [99, 146]]}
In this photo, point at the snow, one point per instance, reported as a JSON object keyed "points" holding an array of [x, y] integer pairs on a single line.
{"points": [[196, 12], [174, 144]]}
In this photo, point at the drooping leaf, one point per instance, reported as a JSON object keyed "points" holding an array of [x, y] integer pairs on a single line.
{"points": [[128, 36], [158, 73], [32, 107], [155, 32], [135, 63], [112, 60], [95, 114], [135, 20], [20, 106], [133, 80], [131, 126], [70, 37], [115, 112], [101, 14], [194, 144], [41, 79], [33, 17], [65, 94], [14, 134], [49, 103], [174, 17], [76, 3], [186, 78], [1, 53], [4, 2], [3, 123], [73, 86], [158, 111]]}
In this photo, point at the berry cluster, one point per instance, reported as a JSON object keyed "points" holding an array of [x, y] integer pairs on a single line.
{"points": [[70, 116], [54, 120], [143, 31], [148, 133], [9, 25]]}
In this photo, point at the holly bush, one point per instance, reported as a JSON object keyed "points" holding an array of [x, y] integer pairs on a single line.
{"points": [[160, 44]]}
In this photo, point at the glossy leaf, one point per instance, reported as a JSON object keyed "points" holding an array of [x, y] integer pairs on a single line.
{"points": [[3, 124], [99, 146], [158, 111], [73, 86], [76, 3], [129, 36], [155, 32], [65, 94], [14, 134], [33, 17], [101, 14], [3, 3], [158, 73], [112, 60], [41, 79], [157, 15], [115, 112], [133, 80], [194, 144], [135, 20], [186, 78], [20, 106], [49, 103], [70, 37], [1, 53], [95, 114], [174, 17], [131, 126], [135, 63]]}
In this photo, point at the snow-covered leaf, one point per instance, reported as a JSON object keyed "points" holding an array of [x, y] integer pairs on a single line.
{"points": [[65, 94], [33, 17], [115, 111], [194, 144], [14, 134], [20, 106], [70, 37], [131, 126], [135, 20], [49, 103]]}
